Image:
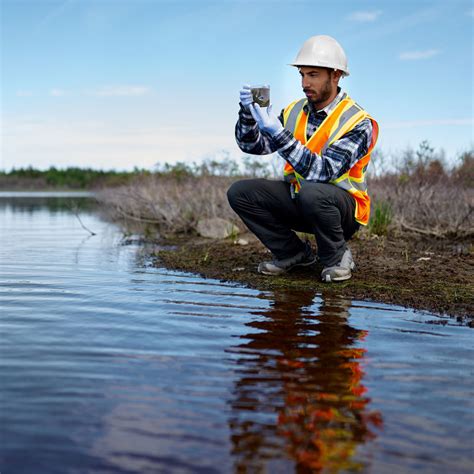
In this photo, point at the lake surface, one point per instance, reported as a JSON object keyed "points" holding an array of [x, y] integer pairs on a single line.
{"points": [[109, 364]]}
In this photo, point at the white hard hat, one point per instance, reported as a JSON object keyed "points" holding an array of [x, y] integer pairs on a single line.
{"points": [[322, 51]]}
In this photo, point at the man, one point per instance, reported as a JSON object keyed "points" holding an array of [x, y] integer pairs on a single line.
{"points": [[326, 141]]}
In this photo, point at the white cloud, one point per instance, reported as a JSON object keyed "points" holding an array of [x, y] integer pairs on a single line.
{"points": [[106, 91], [397, 24], [415, 55], [106, 144], [57, 92], [365, 16], [122, 91], [23, 93], [428, 123]]}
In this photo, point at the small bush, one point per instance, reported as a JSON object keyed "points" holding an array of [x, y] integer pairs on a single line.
{"points": [[381, 218]]}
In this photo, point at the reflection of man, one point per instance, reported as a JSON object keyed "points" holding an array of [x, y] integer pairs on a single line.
{"points": [[300, 388], [326, 140]]}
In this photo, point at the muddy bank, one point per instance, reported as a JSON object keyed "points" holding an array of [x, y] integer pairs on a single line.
{"points": [[420, 273]]}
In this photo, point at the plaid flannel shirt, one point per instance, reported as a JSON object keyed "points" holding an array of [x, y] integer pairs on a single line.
{"points": [[334, 162]]}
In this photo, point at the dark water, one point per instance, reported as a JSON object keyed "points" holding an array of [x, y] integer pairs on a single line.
{"points": [[109, 365]]}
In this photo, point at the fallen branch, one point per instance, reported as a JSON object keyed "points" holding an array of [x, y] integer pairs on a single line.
{"points": [[137, 219], [439, 235], [76, 213], [431, 233]]}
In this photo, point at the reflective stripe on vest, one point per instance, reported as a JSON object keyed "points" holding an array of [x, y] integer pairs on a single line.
{"points": [[346, 115], [290, 120]]}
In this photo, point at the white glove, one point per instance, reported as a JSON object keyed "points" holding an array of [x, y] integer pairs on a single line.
{"points": [[266, 120], [246, 97]]}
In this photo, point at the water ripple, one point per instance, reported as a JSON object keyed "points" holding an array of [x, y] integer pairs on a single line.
{"points": [[110, 365]]}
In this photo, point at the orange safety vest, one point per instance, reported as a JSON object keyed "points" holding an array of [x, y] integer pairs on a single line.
{"points": [[346, 115]]}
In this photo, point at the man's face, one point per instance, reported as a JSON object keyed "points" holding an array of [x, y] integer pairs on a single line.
{"points": [[319, 84]]}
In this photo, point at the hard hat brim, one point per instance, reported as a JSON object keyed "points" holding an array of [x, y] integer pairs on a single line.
{"points": [[344, 73]]}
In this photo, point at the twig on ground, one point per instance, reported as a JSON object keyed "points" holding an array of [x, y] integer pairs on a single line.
{"points": [[411, 228]]}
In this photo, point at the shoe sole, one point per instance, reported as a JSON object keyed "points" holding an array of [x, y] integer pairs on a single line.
{"points": [[341, 278], [305, 264], [332, 280]]}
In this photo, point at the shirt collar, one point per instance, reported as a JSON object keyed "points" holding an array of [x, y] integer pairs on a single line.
{"points": [[330, 107]]}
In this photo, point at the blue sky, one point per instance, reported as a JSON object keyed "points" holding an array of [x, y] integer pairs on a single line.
{"points": [[124, 83]]}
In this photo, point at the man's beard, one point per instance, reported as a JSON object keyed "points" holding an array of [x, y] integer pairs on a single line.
{"points": [[322, 96]]}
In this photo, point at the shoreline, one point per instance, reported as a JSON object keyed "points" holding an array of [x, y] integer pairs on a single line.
{"points": [[47, 193], [422, 272], [419, 273]]}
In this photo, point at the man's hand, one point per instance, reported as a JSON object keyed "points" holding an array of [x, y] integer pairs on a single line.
{"points": [[246, 97], [266, 120]]}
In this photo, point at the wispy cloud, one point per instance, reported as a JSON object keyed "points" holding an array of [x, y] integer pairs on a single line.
{"points": [[416, 55], [106, 143], [56, 11], [122, 91], [365, 16], [24, 93], [428, 123], [396, 25], [470, 12], [57, 92]]}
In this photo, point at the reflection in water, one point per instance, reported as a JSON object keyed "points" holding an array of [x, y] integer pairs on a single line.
{"points": [[300, 387], [110, 366]]}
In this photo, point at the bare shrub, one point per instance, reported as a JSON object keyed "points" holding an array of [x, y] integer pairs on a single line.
{"points": [[463, 174], [418, 193], [426, 197], [440, 209], [168, 204]]}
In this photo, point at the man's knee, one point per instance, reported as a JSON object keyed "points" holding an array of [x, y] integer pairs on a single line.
{"points": [[238, 191]]}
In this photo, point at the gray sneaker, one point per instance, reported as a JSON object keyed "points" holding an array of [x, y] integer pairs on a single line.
{"points": [[341, 271], [277, 267]]}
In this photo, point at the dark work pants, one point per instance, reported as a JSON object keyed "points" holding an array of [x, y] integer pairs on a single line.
{"points": [[322, 209]]}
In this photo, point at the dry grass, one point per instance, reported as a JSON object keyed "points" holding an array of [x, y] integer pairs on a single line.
{"points": [[423, 196], [439, 209], [420, 196], [167, 204]]}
